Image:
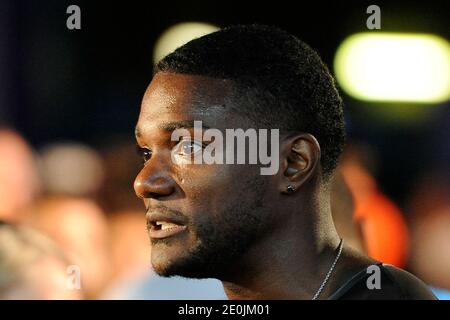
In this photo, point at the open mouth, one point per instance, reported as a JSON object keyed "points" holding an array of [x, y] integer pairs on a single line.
{"points": [[159, 229]]}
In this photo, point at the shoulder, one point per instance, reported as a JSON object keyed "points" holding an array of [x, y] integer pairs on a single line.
{"points": [[383, 282], [411, 287]]}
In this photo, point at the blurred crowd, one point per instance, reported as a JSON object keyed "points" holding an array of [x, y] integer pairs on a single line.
{"points": [[72, 228]]}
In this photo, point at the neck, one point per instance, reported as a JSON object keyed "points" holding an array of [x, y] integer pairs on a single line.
{"points": [[290, 262]]}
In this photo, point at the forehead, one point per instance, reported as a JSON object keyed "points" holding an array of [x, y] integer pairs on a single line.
{"points": [[179, 97]]}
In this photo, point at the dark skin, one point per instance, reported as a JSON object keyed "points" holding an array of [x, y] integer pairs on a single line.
{"points": [[241, 228]]}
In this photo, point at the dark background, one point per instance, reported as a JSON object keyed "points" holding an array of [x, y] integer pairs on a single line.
{"points": [[86, 85]]}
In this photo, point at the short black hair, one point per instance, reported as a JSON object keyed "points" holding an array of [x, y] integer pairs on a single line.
{"points": [[280, 80]]}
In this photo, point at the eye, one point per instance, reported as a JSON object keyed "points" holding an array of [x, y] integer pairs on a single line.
{"points": [[188, 147], [144, 153]]}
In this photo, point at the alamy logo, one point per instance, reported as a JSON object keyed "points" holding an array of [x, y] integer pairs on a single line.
{"points": [[74, 20], [228, 149], [73, 281], [373, 281], [374, 20]]}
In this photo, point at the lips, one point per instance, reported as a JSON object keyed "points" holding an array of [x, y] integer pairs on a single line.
{"points": [[166, 224]]}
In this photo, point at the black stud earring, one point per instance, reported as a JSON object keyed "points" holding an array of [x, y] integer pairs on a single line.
{"points": [[290, 188]]}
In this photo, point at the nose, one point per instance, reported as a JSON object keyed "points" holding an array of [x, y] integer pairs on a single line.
{"points": [[154, 181]]}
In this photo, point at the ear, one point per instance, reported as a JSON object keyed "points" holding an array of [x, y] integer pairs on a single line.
{"points": [[301, 159]]}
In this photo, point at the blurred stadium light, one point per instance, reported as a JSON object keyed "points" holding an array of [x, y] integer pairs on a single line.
{"points": [[402, 67], [71, 168], [179, 34]]}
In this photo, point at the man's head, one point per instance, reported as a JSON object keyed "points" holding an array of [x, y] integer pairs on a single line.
{"points": [[240, 77]]}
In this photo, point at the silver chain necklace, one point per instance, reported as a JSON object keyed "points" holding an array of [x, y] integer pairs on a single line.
{"points": [[325, 280]]}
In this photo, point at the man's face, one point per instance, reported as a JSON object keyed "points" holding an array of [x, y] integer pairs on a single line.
{"points": [[201, 217]]}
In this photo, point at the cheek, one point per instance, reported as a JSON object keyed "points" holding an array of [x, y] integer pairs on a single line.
{"points": [[205, 185], [208, 178]]}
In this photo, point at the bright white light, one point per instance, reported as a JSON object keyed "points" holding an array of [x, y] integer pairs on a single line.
{"points": [[394, 67], [178, 35]]}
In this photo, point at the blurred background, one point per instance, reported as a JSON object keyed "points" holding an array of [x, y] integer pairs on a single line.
{"points": [[69, 101]]}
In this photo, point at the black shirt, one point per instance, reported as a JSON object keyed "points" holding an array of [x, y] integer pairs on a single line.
{"points": [[392, 284]]}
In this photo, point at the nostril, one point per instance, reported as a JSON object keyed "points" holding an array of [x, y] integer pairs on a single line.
{"points": [[154, 181], [155, 188], [155, 195]]}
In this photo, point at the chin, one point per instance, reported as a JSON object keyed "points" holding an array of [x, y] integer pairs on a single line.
{"points": [[171, 269], [168, 263], [164, 256]]}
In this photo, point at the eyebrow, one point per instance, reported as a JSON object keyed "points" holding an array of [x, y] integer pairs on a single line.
{"points": [[174, 125]]}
